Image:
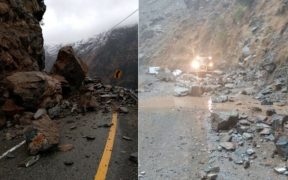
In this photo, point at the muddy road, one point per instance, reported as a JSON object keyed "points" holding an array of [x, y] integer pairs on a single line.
{"points": [[176, 140]]}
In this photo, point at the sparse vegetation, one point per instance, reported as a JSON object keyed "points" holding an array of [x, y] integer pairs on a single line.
{"points": [[247, 3], [239, 13]]}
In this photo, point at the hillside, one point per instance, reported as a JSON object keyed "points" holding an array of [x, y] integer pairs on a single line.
{"points": [[237, 33], [104, 54]]}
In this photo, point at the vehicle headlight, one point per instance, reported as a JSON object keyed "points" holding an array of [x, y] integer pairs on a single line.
{"points": [[195, 64], [210, 64]]}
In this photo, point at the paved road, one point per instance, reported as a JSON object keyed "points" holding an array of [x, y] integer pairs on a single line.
{"points": [[86, 155]]}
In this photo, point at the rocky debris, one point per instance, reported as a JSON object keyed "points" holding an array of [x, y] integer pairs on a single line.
{"points": [[278, 121], [26, 118], [123, 109], [55, 111], [68, 163], [36, 89], [30, 161], [196, 90], [282, 145], [224, 120], [40, 112], [281, 169], [220, 99], [229, 146], [165, 75], [70, 66], [65, 147], [210, 173], [153, 70], [270, 112], [43, 135], [181, 91], [134, 157]]}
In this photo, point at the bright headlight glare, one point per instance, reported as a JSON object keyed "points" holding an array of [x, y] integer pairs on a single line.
{"points": [[210, 64], [195, 64], [210, 57]]}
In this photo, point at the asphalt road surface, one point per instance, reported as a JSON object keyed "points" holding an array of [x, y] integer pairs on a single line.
{"points": [[85, 156]]}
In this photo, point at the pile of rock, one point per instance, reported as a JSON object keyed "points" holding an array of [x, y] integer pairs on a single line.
{"points": [[238, 133]]}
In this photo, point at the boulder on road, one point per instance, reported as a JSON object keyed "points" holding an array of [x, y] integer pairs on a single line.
{"points": [[70, 66], [181, 91], [43, 135], [33, 87], [224, 120], [196, 90]]}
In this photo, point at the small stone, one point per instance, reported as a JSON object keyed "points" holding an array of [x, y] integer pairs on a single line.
{"points": [[124, 110], [246, 164], [281, 169], [265, 131], [127, 138], [250, 151], [65, 147], [228, 146], [256, 109], [248, 136], [68, 163], [39, 113], [270, 112], [134, 157], [89, 138]]}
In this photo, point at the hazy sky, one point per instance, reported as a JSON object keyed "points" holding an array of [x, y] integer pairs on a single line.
{"points": [[72, 20]]}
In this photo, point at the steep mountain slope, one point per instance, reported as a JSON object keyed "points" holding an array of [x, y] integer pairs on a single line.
{"points": [[249, 33], [105, 53]]}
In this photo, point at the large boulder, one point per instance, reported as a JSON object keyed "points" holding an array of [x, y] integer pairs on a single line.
{"points": [[224, 120], [43, 135], [70, 66], [32, 89]]}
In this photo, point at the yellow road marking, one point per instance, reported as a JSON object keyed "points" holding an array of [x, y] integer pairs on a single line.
{"points": [[104, 163]]}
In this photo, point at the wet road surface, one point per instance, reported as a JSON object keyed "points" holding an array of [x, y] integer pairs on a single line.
{"points": [[86, 154]]}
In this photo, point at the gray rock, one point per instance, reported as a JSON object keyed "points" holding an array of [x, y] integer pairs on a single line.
{"points": [[270, 111], [224, 120], [181, 91], [124, 109], [278, 120], [228, 146], [250, 151], [282, 146], [54, 112], [246, 51], [196, 90], [280, 169], [220, 99], [248, 136], [246, 164], [270, 137], [265, 131], [39, 113]]}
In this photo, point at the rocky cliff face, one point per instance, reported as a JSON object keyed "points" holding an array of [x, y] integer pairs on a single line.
{"points": [[21, 41]]}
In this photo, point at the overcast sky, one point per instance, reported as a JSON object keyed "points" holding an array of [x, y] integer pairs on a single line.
{"points": [[68, 21]]}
